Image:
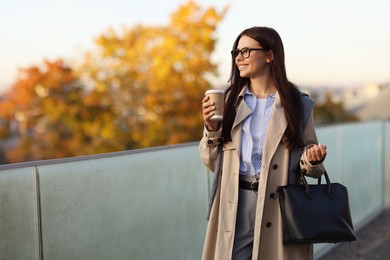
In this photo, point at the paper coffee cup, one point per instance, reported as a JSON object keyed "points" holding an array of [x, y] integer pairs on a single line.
{"points": [[218, 97]]}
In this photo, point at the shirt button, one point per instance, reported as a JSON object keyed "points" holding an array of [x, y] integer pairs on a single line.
{"points": [[269, 224], [272, 195], [275, 166], [210, 141]]}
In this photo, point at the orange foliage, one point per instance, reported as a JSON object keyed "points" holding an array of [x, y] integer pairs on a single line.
{"points": [[142, 88], [157, 75]]}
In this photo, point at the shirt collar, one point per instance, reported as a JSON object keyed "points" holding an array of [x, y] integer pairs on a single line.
{"points": [[245, 91], [248, 92]]}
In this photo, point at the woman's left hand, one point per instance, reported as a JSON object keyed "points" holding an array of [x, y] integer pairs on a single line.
{"points": [[316, 153]]}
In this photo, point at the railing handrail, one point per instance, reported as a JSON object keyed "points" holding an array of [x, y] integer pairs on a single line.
{"points": [[92, 156]]}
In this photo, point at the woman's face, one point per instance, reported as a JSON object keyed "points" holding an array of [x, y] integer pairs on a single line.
{"points": [[256, 64]]}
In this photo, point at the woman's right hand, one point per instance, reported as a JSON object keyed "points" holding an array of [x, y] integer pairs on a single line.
{"points": [[208, 108]]}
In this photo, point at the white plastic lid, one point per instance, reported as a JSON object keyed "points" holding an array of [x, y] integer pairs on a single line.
{"points": [[215, 91]]}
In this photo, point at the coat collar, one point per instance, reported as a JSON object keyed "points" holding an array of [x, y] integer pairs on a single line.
{"points": [[276, 127]]}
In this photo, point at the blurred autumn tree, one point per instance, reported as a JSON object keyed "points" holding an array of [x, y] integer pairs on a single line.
{"points": [[142, 87], [52, 116], [155, 77], [330, 112]]}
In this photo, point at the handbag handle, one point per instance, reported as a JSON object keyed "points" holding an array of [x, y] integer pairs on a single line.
{"points": [[329, 189]]}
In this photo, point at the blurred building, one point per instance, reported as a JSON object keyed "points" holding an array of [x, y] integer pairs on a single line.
{"points": [[370, 102], [377, 107]]}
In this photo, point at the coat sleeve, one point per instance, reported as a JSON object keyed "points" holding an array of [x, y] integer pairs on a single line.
{"points": [[310, 138], [208, 148]]}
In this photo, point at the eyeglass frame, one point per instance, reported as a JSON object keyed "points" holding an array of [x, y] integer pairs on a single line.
{"points": [[238, 51]]}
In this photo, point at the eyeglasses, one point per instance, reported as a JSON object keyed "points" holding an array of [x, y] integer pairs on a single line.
{"points": [[245, 52]]}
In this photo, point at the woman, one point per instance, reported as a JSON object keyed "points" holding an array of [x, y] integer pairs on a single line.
{"points": [[267, 132]]}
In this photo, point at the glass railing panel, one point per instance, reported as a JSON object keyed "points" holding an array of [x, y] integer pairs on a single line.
{"points": [[19, 225], [148, 205]]}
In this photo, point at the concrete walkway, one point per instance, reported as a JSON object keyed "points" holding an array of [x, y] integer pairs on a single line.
{"points": [[373, 242]]}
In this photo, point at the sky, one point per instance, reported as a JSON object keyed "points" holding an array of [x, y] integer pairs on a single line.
{"points": [[334, 43]]}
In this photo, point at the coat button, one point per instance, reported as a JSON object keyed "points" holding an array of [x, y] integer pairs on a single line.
{"points": [[210, 141], [275, 166], [269, 224], [272, 195]]}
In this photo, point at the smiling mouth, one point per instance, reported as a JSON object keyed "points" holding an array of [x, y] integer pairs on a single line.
{"points": [[242, 66]]}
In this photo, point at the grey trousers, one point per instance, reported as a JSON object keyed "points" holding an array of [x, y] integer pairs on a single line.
{"points": [[243, 238]]}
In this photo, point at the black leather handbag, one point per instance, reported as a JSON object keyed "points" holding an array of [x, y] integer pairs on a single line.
{"points": [[315, 213]]}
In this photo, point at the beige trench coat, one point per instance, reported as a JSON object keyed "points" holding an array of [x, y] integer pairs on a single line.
{"points": [[268, 243]]}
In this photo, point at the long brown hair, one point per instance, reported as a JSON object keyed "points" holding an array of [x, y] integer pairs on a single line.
{"points": [[289, 94]]}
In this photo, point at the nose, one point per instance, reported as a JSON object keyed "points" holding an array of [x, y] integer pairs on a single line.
{"points": [[239, 56]]}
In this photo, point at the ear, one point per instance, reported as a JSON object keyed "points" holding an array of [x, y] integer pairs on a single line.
{"points": [[269, 57]]}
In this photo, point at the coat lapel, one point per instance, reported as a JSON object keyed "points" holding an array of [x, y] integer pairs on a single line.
{"points": [[242, 112], [275, 131]]}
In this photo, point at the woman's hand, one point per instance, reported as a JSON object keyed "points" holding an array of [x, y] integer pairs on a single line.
{"points": [[316, 153], [208, 108]]}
